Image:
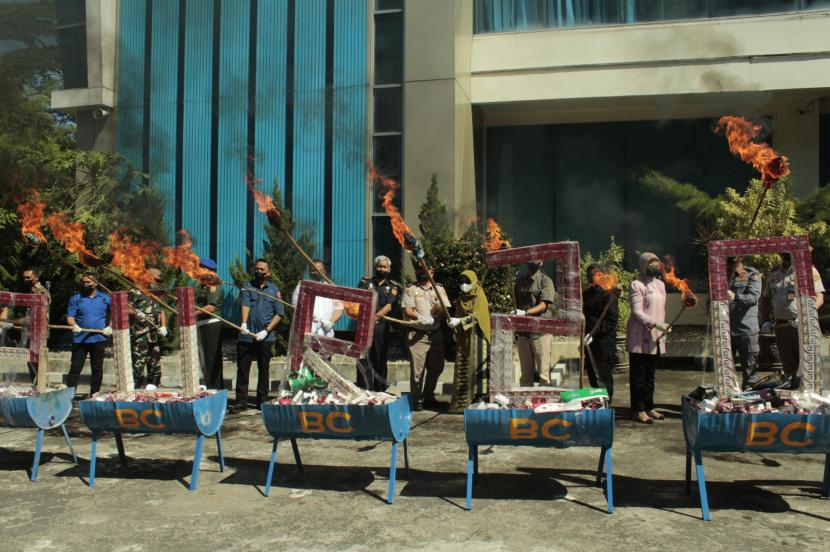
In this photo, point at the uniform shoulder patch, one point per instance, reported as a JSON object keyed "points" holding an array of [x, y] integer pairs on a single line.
{"points": [[755, 277]]}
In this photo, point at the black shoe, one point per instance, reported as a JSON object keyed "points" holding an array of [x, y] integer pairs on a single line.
{"points": [[795, 383], [418, 407], [237, 407], [433, 404]]}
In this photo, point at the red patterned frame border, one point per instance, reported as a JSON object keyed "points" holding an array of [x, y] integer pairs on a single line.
{"points": [[799, 249], [38, 318], [304, 312], [570, 318]]}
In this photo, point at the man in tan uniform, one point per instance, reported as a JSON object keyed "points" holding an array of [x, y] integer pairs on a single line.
{"points": [[535, 295], [422, 304]]}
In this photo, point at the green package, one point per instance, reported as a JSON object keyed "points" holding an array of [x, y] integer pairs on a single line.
{"points": [[584, 394]]}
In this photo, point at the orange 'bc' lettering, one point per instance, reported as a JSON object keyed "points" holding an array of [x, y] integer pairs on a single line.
{"points": [[128, 418], [763, 434], [337, 422]]}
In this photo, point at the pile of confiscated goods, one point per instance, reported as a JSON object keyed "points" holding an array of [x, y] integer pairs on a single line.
{"points": [[151, 394], [549, 400], [783, 401], [317, 383], [11, 390]]}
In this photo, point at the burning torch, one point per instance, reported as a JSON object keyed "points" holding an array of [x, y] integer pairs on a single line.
{"points": [[688, 297]]}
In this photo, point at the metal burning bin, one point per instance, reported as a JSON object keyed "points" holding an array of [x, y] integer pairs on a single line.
{"points": [[43, 411], [761, 432], [388, 422], [382, 422], [523, 427], [741, 432], [201, 417]]}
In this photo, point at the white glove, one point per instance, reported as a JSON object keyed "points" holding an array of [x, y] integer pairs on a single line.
{"points": [[244, 328], [519, 312], [766, 327], [427, 320], [326, 325], [261, 335], [140, 315], [663, 327], [163, 331], [453, 322], [730, 294], [107, 331], [588, 339], [76, 329]]}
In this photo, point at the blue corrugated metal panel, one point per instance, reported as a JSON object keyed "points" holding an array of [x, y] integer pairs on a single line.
{"points": [[233, 126], [270, 103], [349, 141], [163, 89], [131, 79], [198, 49], [310, 116]]}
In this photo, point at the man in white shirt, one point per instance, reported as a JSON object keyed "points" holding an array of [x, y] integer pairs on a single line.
{"points": [[326, 311]]}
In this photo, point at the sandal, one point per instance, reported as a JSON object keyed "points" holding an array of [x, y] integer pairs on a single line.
{"points": [[642, 418], [654, 415]]}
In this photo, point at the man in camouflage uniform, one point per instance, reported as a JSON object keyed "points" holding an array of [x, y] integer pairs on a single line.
{"points": [[149, 325]]}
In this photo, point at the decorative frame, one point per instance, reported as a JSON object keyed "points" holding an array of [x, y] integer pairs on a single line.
{"points": [[569, 318], [299, 337], [809, 333]]}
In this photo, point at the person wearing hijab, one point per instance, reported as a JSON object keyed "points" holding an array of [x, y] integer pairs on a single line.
{"points": [[602, 312], [472, 337], [645, 340]]}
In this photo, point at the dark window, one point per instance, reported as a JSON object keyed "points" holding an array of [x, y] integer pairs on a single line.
{"points": [[495, 16], [71, 30], [389, 48], [381, 5], [388, 109]]}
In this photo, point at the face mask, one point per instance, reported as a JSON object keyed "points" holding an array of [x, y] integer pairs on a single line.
{"points": [[260, 276], [653, 271], [466, 288], [532, 267], [381, 274], [88, 289]]}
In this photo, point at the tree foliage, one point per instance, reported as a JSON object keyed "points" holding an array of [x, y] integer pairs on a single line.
{"points": [[452, 256], [728, 215]]}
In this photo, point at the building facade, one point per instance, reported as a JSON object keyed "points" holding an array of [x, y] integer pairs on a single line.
{"points": [[541, 113]]}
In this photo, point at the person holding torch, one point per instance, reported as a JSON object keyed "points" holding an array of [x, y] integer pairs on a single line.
{"points": [[646, 326]]}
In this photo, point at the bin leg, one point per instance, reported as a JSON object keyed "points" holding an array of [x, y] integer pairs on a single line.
{"points": [[475, 463], [470, 469], [197, 460], [92, 460], [609, 484], [219, 448], [36, 461], [69, 444], [600, 466], [825, 487], [119, 442], [297, 458], [688, 471], [701, 485], [393, 468], [406, 459], [271, 467]]}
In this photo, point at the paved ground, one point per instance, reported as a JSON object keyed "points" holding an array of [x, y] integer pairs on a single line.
{"points": [[526, 499]]}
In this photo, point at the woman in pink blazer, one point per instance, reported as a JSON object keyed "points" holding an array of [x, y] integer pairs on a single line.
{"points": [[647, 323]]}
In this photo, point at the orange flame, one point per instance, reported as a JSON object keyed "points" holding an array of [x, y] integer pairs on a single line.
{"points": [[130, 256], [71, 234], [31, 217], [352, 309], [387, 195], [740, 133], [182, 258], [606, 280], [265, 204], [494, 241], [688, 296]]}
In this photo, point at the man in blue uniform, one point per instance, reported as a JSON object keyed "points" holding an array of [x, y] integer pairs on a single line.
{"points": [[372, 371], [88, 309], [260, 315], [744, 292]]}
